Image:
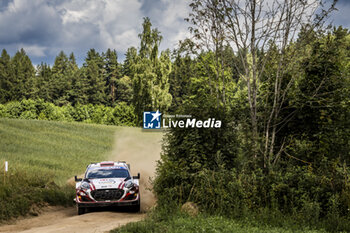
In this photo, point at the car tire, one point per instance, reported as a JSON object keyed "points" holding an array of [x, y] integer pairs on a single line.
{"points": [[136, 208], [81, 210]]}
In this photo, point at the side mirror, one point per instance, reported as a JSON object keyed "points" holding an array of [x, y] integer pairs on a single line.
{"points": [[136, 177], [77, 179]]}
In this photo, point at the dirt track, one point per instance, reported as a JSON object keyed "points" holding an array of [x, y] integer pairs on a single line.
{"points": [[141, 150], [60, 219]]}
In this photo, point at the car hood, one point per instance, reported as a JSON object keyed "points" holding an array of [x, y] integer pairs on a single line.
{"points": [[107, 183]]}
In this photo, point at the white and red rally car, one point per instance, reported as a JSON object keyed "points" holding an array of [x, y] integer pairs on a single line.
{"points": [[107, 184]]}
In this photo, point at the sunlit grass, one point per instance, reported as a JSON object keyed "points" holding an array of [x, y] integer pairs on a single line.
{"points": [[56, 149], [182, 223]]}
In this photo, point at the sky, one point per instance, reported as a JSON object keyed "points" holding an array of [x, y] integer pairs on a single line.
{"points": [[45, 27]]}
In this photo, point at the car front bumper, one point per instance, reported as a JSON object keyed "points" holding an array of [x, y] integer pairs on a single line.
{"points": [[105, 204]]}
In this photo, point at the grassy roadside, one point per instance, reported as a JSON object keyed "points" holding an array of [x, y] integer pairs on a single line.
{"points": [[179, 222], [42, 155]]}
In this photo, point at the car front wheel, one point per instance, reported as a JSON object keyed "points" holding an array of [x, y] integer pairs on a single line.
{"points": [[81, 210]]}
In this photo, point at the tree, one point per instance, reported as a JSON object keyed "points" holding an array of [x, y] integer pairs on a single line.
{"points": [[6, 77], [75, 93], [151, 73], [93, 72], [112, 74], [320, 101], [179, 79], [254, 28], [150, 40], [23, 79], [62, 80], [130, 62], [44, 77], [124, 90]]}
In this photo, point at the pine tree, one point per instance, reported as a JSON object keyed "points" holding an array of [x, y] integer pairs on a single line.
{"points": [[23, 80], [130, 62], [112, 74], [124, 90], [6, 73], [80, 86], [179, 79], [44, 77], [93, 71], [73, 75], [61, 81]]}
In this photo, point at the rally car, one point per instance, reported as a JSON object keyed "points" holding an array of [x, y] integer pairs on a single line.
{"points": [[107, 184]]}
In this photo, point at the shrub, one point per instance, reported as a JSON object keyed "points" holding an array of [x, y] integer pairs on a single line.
{"points": [[14, 109], [121, 114], [3, 112], [124, 115], [20, 190]]}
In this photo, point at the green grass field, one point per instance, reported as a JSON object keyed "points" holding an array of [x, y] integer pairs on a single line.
{"points": [[56, 149]]}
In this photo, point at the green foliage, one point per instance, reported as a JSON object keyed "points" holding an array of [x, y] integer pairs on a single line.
{"points": [[93, 72], [64, 83], [61, 80], [124, 115], [20, 191], [45, 82], [124, 89], [319, 101], [112, 75], [6, 77], [121, 114], [150, 73], [306, 177], [180, 222], [21, 75], [129, 62]]}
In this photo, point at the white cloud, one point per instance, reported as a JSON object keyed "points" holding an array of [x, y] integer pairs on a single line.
{"points": [[44, 27], [33, 50]]}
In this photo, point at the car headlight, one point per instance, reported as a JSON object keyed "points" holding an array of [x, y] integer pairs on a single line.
{"points": [[129, 184], [85, 185]]}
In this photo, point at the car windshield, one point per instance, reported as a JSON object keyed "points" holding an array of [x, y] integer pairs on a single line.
{"points": [[107, 173]]}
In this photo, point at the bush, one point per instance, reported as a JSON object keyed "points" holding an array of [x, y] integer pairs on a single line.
{"points": [[14, 109], [20, 191], [121, 115], [3, 111], [124, 115]]}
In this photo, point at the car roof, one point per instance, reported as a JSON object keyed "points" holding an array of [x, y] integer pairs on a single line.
{"points": [[108, 165]]}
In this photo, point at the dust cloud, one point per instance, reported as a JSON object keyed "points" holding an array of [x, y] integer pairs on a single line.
{"points": [[140, 149]]}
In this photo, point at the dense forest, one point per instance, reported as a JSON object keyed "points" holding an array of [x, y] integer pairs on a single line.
{"points": [[284, 102]]}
